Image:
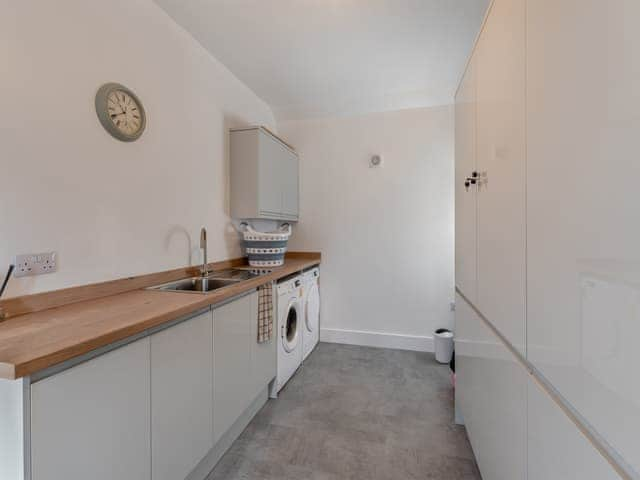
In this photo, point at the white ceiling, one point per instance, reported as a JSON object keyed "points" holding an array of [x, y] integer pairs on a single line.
{"points": [[309, 58]]}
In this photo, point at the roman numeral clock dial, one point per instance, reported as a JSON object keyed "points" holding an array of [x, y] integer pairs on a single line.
{"points": [[120, 112]]}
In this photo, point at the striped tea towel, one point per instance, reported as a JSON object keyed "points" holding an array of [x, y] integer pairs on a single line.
{"points": [[265, 313]]}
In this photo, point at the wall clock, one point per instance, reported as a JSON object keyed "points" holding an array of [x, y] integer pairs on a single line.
{"points": [[120, 112]]}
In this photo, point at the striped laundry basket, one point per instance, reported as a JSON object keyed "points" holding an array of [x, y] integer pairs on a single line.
{"points": [[266, 249]]}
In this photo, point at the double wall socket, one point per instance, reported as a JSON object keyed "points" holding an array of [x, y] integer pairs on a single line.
{"points": [[35, 264]]}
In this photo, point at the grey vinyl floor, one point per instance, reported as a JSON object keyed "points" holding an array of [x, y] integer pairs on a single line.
{"points": [[356, 413]]}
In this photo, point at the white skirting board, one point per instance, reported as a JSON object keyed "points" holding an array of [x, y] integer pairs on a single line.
{"points": [[376, 339]]}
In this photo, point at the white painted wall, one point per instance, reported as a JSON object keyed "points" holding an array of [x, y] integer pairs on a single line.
{"points": [[112, 209], [386, 234]]}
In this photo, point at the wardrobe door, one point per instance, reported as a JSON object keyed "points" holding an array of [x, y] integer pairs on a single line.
{"points": [[500, 67], [465, 191], [583, 232]]}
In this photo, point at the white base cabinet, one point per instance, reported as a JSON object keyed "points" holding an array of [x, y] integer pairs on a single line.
{"points": [[556, 448], [242, 366], [232, 361], [182, 395], [93, 420], [164, 407], [491, 394]]}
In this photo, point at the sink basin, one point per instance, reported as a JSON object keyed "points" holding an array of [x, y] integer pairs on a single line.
{"points": [[214, 281], [197, 284]]}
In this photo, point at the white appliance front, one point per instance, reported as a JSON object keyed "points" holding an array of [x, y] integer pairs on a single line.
{"points": [[290, 320], [311, 304]]}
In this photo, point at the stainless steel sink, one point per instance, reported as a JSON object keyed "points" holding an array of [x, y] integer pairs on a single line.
{"points": [[214, 281], [197, 285]]}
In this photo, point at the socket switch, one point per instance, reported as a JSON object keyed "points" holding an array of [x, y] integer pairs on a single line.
{"points": [[35, 264]]}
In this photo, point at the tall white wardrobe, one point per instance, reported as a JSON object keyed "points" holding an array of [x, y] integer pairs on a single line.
{"points": [[548, 241]]}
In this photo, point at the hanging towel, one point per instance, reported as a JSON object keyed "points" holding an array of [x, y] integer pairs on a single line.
{"points": [[265, 313]]}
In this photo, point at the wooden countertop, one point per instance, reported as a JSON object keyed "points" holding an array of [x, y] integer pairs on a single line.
{"points": [[35, 341]]}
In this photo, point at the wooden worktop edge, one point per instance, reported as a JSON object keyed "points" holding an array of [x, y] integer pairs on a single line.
{"points": [[17, 306]]}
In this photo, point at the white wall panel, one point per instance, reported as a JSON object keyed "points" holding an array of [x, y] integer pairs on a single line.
{"points": [[112, 209], [365, 220]]}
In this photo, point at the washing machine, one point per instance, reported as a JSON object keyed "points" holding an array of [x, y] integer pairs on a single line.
{"points": [[290, 324], [311, 310]]}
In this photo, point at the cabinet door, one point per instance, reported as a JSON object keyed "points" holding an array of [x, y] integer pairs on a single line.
{"points": [[181, 397], [500, 64], [466, 197], [232, 381], [290, 184], [583, 234], [92, 421], [491, 392], [263, 355], [272, 168], [556, 448]]}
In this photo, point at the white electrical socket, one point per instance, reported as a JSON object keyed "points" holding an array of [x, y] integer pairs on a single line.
{"points": [[35, 264]]}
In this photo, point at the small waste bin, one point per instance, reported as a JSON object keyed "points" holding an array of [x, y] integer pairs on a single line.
{"points": [[443, 339]]}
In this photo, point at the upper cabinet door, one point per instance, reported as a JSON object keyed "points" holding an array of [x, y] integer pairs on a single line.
{"points": [[583, 232], [92, 421], [500, 69], [290, 185], [466, 196], [264, 176], [181, 397], [272, 168]]}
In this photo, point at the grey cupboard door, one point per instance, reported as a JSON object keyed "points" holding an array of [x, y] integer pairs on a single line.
{"points": [[232, 380], [500, 69], [263, 355], [93, 420], [466, 196], [290, 186], [181, 397], [272, 168]]}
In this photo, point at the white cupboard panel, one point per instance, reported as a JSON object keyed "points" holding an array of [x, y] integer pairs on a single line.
{"points": [[93, 420], [491, 392], [272, 167], [263, 355], [232, 375], [583, 73], [557, 450], [290, 186], [182, 395], [465, 133], [500, 69]]}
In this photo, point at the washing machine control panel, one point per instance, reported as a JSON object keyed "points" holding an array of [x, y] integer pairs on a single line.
{"points": [[289, 286]]}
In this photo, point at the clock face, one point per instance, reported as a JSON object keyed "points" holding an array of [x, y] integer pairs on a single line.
{"points": [[124, 112], [120, 112]]}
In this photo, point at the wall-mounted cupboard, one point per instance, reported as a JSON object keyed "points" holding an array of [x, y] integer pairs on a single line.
{"points": [[264, 176], [548, 249]]}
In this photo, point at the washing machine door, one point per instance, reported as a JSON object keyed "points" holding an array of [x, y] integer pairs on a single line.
{"points": [[289, 332], [312, 308]]}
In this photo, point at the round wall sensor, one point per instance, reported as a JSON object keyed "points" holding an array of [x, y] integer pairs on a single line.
{"points": [[375, 161]]}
